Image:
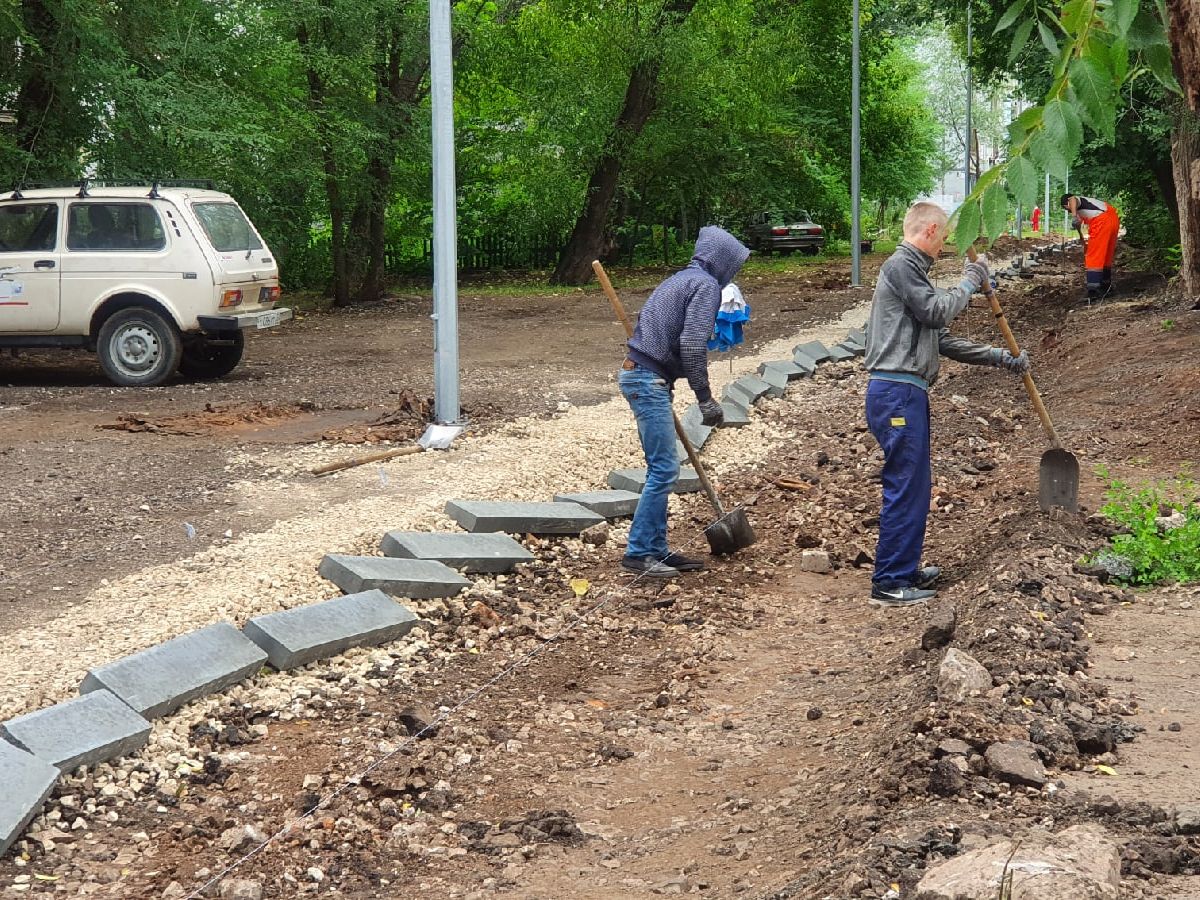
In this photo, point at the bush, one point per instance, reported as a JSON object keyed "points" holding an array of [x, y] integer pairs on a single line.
{"points": [[1146, 551]]}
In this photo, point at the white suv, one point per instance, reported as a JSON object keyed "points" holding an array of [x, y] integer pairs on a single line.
{"points": [[151, 278]]}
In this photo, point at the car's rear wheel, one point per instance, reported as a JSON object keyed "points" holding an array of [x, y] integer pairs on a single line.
{"points": [[813, 250], [138, 347], [786, 251], [205, 358]]}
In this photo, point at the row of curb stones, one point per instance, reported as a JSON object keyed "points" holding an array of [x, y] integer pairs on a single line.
{"points": [[112, 715]]}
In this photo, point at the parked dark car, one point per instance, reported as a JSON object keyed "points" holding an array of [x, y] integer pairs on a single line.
{"points": [[786, 232]]}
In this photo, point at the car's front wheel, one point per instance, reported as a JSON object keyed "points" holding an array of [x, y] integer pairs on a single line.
{"points": [[138, 347], [205, 358]]}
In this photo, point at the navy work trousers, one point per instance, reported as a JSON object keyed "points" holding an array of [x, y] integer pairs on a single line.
{"points": [[898, 416]]}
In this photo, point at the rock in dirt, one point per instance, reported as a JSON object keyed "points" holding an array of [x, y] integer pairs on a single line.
{"points": [[961, 674], [597, 535], [240, 889], [1080, 863], [816, 561], [1016, 762], [241, 838], [1187, 819], [947, 778], [943, 619]]}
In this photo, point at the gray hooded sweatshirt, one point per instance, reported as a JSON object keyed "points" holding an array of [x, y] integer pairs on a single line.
{"points": [[908, 328], [674, 326]]}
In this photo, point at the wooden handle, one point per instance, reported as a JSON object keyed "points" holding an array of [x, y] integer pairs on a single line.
{"points": [[693, 457], [1005, 330], [363, 460]]}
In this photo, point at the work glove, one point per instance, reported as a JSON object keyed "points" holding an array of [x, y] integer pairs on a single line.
{"points": [[977, 272], [711, 413], [1018, 365], [1076, 223]]}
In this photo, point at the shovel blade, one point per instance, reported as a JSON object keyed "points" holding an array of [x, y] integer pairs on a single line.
{"points": [[1058, 480], [730, 533]]}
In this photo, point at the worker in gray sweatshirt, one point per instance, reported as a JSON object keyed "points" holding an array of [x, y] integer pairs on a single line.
{"points": [[906, 333]]}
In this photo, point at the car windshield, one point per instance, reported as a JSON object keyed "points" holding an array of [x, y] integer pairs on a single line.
{"points": [[227, 228], [791, 218]]}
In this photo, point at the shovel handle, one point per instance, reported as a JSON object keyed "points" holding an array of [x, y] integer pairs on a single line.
{"points": [[1005, 330], [693, 457]]}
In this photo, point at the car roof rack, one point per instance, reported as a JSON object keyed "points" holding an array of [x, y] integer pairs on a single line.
{"points": [[86, 184]]}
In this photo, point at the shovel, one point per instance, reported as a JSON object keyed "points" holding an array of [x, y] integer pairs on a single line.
{"points": [[731, 532], [1058, 474]]}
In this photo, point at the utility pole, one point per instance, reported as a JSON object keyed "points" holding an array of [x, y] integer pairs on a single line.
{"points": [[855, 199], [970, 51], [447, 411], [1046, 208]]}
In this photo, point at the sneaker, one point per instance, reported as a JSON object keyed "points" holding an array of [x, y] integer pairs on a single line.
{"points": [[927, 576], [648, 566], [682, 563], [900, 596]]}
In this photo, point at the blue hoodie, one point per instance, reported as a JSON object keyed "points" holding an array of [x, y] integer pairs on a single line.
{"points": [[674, 326]]}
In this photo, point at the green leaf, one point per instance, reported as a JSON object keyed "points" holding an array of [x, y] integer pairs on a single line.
{"points": [[1049, 41], [1119, 15], [1010, 16], [967, 229], [1075, 13], [1022, 180], [1119, 57], [1023, 124], [995, 211], [1063, 126], [1093, 87], [1146, 31], [1159, 59], [1020, 39], [1049, 156]]}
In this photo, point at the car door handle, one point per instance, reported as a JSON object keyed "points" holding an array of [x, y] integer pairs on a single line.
{"points": [[44, 264]]}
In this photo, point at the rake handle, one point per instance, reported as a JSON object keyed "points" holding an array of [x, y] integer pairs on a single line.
{"points": [[693, 457], [1015, 350]]}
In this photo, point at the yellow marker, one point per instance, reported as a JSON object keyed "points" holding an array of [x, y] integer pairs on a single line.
{"points": [[1105, 770], [580, 586], [898, 422]]}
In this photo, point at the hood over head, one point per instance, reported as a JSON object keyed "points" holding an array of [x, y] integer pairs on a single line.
{"points": [[719, 254]]}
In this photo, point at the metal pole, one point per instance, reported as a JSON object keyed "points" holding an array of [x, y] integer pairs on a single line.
{"points": [[445, 231], [1066, 212], [855, 199], [970, 51], [1046, 214]]}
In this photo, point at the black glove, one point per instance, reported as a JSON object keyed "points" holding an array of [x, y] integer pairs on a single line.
{"points": [[1018, 365], [711, 413], [977, 271]]}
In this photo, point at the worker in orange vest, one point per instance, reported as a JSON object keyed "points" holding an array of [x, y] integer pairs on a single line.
{"points": [[1036, 218], [1102, 223]]}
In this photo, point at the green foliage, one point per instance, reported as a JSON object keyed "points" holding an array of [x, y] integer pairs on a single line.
{"points": [[1154, 554]]}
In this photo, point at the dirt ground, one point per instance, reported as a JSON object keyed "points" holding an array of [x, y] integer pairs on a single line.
{"points": [[758, 731], [105, 480]]}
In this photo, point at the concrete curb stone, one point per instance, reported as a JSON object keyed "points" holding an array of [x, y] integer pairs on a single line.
{"points": [[82, 731]]}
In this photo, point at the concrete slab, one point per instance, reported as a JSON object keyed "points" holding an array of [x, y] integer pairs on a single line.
{"points": [[421, 579], [469, 553], [753, 386], [634, 480], [739, 394], [840, 354], [858, 336], [610, 504], [162, 679], [736, 415], [814, 350], [693, 426], [789, 369], [522, 518], [25, 783], [854, 339], [297, 637], [82, 731], [777, 380], [852, 349], [804, 362]]}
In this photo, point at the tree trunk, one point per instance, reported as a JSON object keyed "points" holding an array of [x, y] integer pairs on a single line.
{"points": [[1183, 21], [641, 99], [1185, 159]]}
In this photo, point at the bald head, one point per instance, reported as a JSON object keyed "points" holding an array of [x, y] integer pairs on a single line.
{"points": [[925, 227]]}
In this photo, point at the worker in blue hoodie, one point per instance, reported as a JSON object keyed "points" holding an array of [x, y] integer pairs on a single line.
{"points": [[671, 342]]}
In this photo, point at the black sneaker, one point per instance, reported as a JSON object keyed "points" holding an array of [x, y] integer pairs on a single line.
{"points": [[682, 563], [927, 576], [900, 596], [648, 566]]}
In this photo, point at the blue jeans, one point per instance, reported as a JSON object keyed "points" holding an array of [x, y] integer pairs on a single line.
{"points": [[898, 416], [650, 399]]}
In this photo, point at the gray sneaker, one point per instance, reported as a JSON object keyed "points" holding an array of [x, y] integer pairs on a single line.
{"points": [[648, 566], [927, 576], [900, 596]]}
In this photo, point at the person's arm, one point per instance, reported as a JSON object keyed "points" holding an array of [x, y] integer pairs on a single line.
{"points": [[693, 340], [964, 351], [931, 307]]}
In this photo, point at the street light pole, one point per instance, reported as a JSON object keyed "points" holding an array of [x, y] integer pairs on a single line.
{"points": [[967, 160], [445, 230], [855, 199]]}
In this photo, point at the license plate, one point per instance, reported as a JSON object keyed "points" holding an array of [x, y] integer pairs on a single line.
{"points": [[269, 319]]}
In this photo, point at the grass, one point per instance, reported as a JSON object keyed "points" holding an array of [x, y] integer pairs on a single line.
{"points": [[1153, 554]]}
